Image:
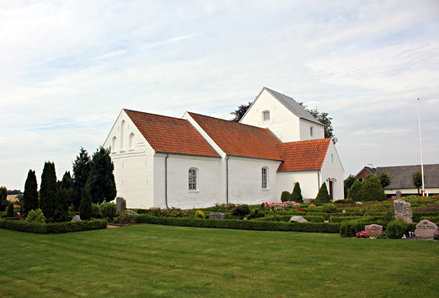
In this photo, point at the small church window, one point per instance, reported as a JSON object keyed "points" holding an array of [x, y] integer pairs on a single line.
{"points": [[264, 178], [311, 131], [192, 179], [131, 141], [266, 115]]}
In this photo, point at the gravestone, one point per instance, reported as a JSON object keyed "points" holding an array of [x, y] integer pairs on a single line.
{"points": [[217, 216], [306, 201], [76, 218], [119, 203], [131, 212], [343, 211], [403, 210], [298, 219], [373, 229], [398, 193], [426, 229]]}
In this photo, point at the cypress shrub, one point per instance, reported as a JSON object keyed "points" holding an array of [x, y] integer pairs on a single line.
{"points": [[285, 196], [48, 190], [85, 207], [101, 178], [81, 172], [355, 192], [296, 196], [36, 216], [371, 189], [62, 206], [10, 212], [30, 195], [323, 195]]}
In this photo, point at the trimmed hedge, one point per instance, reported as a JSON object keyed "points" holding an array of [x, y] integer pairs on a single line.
{"points": [[53, 228], [419, 216], [241, 224]]}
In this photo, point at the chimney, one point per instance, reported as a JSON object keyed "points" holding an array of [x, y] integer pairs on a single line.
{"points": [[370, 165]]}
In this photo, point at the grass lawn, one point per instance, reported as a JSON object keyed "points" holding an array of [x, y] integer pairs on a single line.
{"points": [[164, 261]]}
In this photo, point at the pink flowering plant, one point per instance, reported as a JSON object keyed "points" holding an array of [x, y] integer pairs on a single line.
{"points": [[275, 206], [362, 234]]}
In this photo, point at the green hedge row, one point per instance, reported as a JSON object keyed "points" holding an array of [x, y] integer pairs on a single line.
{"points": [[54, 228], [241, 224], [418, 216]]}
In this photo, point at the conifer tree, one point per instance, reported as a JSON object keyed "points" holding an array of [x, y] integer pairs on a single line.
{"points": [[3, 198], [48, 190], [323, 195], [371, 189], [62, 206], [101, 179], [66, 182], [81, 171], [30, 195], [296, 196], [85, 207], [354, 192]]}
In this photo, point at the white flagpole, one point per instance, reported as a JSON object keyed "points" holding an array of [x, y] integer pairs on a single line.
{"points": [[420, 138]]}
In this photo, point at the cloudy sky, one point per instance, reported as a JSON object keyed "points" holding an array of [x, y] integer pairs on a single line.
{"points": [[67, 68]]}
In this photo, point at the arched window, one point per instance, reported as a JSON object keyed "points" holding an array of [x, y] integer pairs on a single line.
{"points": [[264, 175], [266, 115], [311, 131], [122, 128], [131, 141], [193, 178]]}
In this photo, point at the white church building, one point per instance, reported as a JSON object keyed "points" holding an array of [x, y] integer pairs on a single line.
{"points": [[198, 161]]}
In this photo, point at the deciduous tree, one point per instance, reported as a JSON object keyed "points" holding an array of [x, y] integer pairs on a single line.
{"points": [[323, 118], [385, 179], [417, 179], [239, 113], [348, 182]]}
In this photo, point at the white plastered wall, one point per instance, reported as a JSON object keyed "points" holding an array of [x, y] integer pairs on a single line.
{"points": [[305, 130], [309, 181], [332, 169], [133, 163], [284, 124], [209, 191], [245, 181]]}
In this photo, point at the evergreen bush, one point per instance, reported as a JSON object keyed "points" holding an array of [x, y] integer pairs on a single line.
{"points": [[241, 211], [85, 207], [396, 229], [371, 189], [285, 196], [95, 211], [354, 192], [323, 195], [108, 210], [35, 216], [200, 214], [48, 190], [296, 195], [30, 195], [10, 212]]}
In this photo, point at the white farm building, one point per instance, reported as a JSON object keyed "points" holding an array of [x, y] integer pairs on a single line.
{"points": [[198, 161]]}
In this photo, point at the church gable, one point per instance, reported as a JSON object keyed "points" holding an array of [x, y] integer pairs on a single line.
{"points": [[170, 135]]}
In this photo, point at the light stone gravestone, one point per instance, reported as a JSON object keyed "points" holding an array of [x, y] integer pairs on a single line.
{"points": [[298, 219], [131, 212], [217, 216], [373, 229], [76, 218], [306, 201], [343, 211], [119, 203], [426, 229], [403, 210]]}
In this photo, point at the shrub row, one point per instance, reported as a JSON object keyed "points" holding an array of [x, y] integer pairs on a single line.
{"points": [[53, 228], [418, 216], [241, 224], [352, 227]]}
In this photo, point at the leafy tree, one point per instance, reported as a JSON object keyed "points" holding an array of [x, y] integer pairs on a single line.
{"points": [[417, 179], [81, 171], [30, 195], [323, 195], [354, 192], [371, 189], [239, 113], [3, 197], [101, 179], [48, 189], [62, 206], [323, 118], [85, 207], [296, 195], [385, 179], [348, 182]]}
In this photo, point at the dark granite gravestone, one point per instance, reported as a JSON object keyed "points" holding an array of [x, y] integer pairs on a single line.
{"points": [[217, 216], [398, 194], [119, 203]]}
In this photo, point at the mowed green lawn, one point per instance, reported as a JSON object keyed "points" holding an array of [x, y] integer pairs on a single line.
{"points": [[164, 261]]}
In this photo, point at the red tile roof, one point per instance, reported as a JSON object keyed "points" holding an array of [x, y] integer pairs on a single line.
{"points": [[170, 135], [303, 155], [239, 139]]}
